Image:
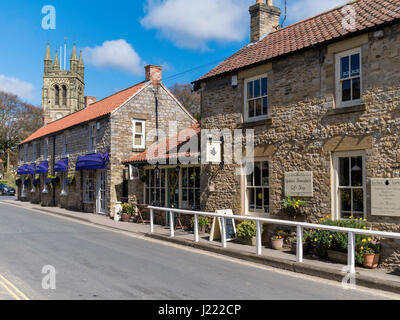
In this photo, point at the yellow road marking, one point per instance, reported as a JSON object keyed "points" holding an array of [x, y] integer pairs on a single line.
{"points": [[12, 290]]}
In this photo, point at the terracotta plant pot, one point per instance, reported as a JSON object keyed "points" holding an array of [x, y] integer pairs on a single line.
{"points": [[277, 244], [125, 218], [371, 261]]}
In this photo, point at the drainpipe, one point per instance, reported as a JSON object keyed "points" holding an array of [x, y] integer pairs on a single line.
{"points": [[53, 172]]}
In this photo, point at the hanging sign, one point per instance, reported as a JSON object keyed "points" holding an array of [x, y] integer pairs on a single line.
{"points": [[213, 152]]}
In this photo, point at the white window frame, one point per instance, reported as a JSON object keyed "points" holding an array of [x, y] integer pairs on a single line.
{"points": [[338, 57], [246, 200], [143, 134], [88, 189], [92, 137], [246, 111], [335, 193], [45, 148], [64, 184], [65, 144]]}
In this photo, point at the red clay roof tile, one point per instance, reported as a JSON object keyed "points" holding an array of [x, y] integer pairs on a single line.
{"points": [[315, 30]]}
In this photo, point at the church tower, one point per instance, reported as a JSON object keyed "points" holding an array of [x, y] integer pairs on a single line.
{"points": [[63, 90]]}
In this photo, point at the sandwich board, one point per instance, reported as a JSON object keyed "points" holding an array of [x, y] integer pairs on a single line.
{"points": [[230, 227]]}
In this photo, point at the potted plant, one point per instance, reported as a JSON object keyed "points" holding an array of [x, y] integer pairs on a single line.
{"points": [[293, 241], [203, 224], [277, 240], [27, 181], [18, 181], [127, 211], [52, 181], [293, 206], [371, 254], [36, 181], [246, 232]]}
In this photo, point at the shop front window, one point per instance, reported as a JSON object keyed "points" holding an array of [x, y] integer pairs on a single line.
{"points": [[191, 188], [156, 187], [257, 188]]}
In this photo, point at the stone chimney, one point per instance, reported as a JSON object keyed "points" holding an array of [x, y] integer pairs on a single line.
{"points": [[264, 19], [89, 101], [153, 73]]}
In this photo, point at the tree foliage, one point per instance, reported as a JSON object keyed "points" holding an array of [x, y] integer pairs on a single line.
{"points": [[189, 99], [18, 120]]}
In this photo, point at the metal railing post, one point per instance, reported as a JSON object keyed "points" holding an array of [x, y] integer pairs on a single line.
{"points": [[171, 224], [196, 228], [151, 220], [223, 232], [351, 253], [299, 251], [258, 235]]}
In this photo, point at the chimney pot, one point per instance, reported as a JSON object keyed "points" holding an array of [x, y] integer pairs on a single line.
{"points": [[264, 19]]}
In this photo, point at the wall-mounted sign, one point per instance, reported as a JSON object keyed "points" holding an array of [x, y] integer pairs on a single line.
{"points": [[385, 197], [213, 152], [299, 184]]}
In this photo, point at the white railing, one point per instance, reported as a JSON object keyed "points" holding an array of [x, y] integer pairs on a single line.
{"points": [[299, 225]]}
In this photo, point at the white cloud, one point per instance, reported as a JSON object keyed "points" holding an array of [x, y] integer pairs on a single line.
{"points": [[116, 54], [194, 23], [22, 89]]}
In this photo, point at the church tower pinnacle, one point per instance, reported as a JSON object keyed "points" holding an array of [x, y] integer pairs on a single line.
{"points": [[63, 90]]}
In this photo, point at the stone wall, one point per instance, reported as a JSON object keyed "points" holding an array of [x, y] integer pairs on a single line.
{"points": [[305, 129], [142, 107]]}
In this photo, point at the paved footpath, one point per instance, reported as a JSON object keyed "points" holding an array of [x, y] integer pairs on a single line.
{"points": [[96, 263]]}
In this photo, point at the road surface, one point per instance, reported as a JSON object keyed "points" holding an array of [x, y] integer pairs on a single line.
{"points": [[94, 263]]}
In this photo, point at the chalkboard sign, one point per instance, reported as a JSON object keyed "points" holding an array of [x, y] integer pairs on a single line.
{"points": [[230, 228]]}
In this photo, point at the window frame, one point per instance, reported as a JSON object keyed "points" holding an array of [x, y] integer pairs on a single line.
{"points": [[246, 100], [92, 137], [336, 167], [246, 187], [87, 191], [338, 80], [143, 134]]}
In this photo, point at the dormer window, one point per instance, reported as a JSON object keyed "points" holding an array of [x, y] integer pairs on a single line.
{"points": [[256, 98]]}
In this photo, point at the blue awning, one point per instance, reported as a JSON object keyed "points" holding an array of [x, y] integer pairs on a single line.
{"points": [[93, 161], [61, 166], [22, 169], [43, 167], [30, 168]]}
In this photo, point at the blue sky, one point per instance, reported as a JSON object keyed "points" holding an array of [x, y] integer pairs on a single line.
{"points": [[119, 37]]}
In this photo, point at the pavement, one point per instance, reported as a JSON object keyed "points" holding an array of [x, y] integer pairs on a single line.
{"points": [[98, 258]]}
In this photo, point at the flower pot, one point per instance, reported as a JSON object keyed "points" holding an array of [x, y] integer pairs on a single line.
{"points": [[337, 256], [277, 244], [306, 248], [371, 261], [248, 242], [125, 218]]}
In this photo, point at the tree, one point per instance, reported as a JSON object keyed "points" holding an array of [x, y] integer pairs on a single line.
{"points": [[189, 99], [18, 120]]}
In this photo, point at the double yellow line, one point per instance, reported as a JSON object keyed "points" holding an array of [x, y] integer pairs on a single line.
{"points": [[12, 290]]}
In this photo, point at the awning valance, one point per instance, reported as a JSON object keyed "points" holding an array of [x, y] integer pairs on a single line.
{"points": [[43, 167], [61, 166], [30, 168], [22, 169], [93, 161]]}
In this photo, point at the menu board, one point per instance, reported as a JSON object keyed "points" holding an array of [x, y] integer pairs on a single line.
{"points": [[299, 184], [230, 228], [385, 197]]}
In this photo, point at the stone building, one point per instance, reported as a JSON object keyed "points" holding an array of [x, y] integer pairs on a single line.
{"points": [[63, 90], [323, 99], [76, 161]]}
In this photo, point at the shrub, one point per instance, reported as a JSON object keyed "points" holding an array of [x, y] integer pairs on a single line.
{"points": [[203, 222], [323, 240], [247, 229]]}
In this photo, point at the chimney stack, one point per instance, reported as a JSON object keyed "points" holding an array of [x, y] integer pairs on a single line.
{"points": [[89, 101], [264, 19], [153, 73]]}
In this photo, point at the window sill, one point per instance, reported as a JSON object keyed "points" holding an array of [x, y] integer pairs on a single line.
{"points": [[345, 110], [134, 149], [249, 124]]}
